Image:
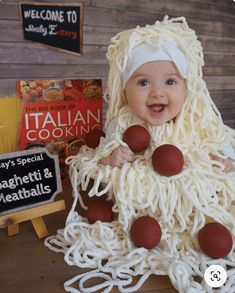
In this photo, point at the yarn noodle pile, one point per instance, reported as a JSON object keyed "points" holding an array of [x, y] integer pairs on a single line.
{"points": [[182, 204]]}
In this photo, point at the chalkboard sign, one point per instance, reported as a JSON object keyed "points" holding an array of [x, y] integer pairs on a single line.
{"points": [[28, 178], [56, 25]]}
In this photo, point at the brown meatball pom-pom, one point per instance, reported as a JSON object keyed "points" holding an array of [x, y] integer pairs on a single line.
{"points": [[146, 232], [137, 138], [215, 240], [99, 209], [167, 160], [93, 137]]}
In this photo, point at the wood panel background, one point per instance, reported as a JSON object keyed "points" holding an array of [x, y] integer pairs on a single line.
{"points": [[213, 21]]}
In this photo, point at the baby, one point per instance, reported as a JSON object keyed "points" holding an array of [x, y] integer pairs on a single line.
{"points": [[155, 80], [155, 89]]}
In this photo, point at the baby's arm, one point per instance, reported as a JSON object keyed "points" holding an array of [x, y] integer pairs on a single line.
{"points": [[118, 157], [228, 164]]}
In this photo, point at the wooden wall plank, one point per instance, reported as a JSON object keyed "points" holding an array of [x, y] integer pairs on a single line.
{"points": [[215, 58], [226, 3], [218, 44], [34, 71], [220, 82], [223, 98], [211, 27], [173, 8], [7, 86], [225, 101], [218, 71], [15, 53]]}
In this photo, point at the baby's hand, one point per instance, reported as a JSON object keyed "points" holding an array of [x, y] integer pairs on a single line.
{"points": [[119, 156], [228, 165]]}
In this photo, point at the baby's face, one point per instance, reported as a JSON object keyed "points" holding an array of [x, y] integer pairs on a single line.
{"points": [[156, 92]]}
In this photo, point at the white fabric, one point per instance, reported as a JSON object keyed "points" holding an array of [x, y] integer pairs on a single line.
{"points": [[146, 53]]}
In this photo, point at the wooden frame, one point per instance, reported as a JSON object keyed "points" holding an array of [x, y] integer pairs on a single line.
{"points": [[59, 5], [35, 214]]}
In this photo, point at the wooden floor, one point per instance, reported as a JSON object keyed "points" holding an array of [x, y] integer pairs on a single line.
{"points": [[27, 266]]}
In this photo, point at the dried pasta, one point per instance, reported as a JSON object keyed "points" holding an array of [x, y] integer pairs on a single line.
{"points": [[10, 119], [182, 204]]}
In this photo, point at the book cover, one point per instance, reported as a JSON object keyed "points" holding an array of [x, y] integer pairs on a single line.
{"points": [[58, 114]]}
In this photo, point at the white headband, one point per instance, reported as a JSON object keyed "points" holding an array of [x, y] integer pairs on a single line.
{"points": [[145, 53]]}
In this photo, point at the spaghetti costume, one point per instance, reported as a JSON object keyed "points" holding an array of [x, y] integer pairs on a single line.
{"points": [[182, 204]]}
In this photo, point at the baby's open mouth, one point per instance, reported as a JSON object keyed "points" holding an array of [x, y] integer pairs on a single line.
{"points": [[157, 108]]}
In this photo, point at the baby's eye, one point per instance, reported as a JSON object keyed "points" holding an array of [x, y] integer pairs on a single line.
{"points": [[170, 81], [143, 82]]}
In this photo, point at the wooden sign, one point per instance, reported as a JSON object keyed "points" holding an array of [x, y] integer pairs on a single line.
{"points": [[27, 179], [56, 25]]}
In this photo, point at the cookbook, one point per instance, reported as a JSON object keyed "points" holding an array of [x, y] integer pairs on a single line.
{"points": [[58, 114]]}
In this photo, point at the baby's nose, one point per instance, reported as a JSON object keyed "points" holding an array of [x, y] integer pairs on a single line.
{"points": [[157, 91]]}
